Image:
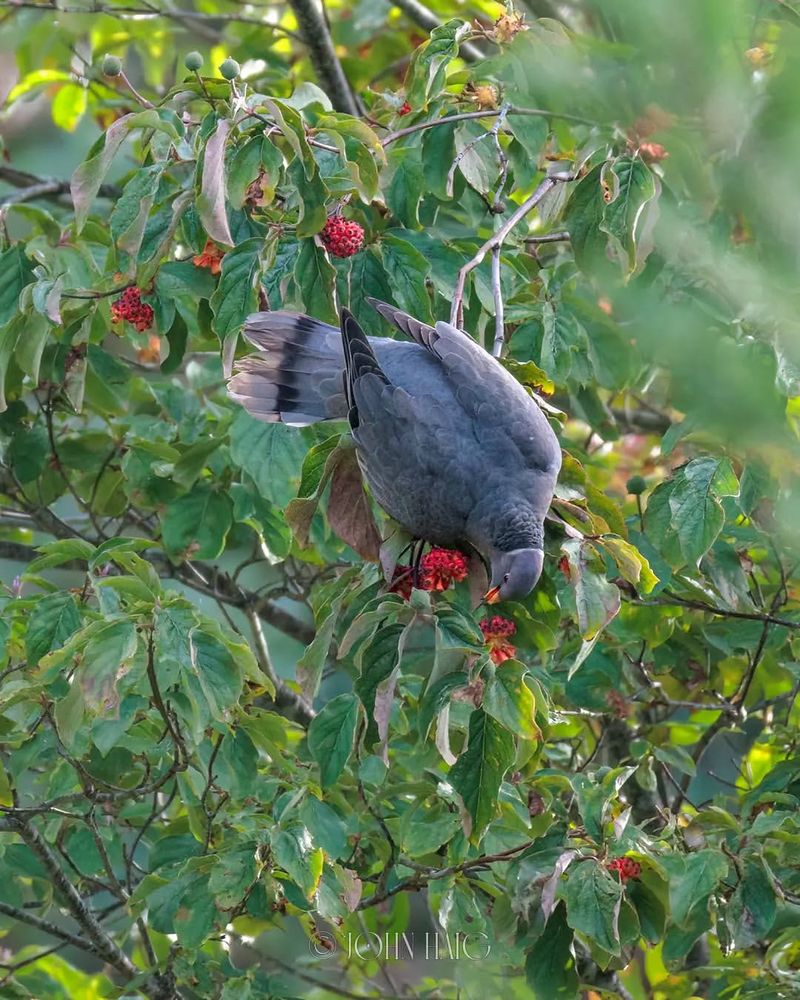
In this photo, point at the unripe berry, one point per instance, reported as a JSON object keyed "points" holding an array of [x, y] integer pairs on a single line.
{"points": [[230, 69], [112, 66], [341, 237], [193, 61], [636, 485]]}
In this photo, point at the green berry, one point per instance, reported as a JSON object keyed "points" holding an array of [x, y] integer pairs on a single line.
{"points": [[193, 61], [112, 66], [636, 485], [230, 69]]}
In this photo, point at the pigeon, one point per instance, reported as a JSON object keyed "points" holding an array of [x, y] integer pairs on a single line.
{"points": [[451, 445]]}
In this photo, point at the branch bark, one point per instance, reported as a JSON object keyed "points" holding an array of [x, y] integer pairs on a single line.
{"points": [[317, 37], [497, 240]]}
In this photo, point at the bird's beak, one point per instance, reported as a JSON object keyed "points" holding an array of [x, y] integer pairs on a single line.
{"points": [[492, 596]]}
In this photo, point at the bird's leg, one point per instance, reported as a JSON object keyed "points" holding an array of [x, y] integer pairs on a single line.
{"points": [[417, 548]]}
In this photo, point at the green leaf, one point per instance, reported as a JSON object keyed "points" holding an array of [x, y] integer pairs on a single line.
{"points": [[326, 826], [597, 601], [290, 123], [89, 176], [197, 523], [406, 270], [426, 826], [692, 879], [752, 909], [407, 185], [593, 897], [54, 619], [271, 454], [312, 476], [630, 187], [428, 67], [331, 736], [631, 563], [697, 514], [218, 671], [550, 964], [15, 273], [28, 453], [129, 218], [436, 696], [235, 296], [69, 106], [295, 852], [509, 700], [105, 659], [563, 341], [315, 277], [478, 772]]}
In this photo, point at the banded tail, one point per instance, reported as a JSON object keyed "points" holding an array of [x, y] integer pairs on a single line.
{"points": [[296, 376]]}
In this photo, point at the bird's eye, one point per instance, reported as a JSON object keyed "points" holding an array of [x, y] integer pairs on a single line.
{"points": [[506, 578]]}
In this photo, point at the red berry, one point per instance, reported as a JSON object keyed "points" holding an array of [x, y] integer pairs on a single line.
{"points": [[441, 567], [496, 631], [404, 108], [626, 868], [341, 237], [497, 627], [129, 306]]}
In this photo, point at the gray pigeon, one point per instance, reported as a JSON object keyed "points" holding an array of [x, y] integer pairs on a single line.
{"points": [[451, 445]]}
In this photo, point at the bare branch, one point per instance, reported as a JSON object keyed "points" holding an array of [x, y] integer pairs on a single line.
{"points": [[287, 701], [104, 946], [317, 37], [465, 116], [499, 317], [497, 240]]}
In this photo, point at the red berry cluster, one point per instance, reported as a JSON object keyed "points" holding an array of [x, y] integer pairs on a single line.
{"points": [[341, 237], [627, 868], [441, 567], [496, 632], [404, 108], [129, 306], [437, 570]]}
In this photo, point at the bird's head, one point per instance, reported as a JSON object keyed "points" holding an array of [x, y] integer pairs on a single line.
{"points": [[514, 574]]}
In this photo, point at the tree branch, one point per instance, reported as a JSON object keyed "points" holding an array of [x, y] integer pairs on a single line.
{"points": [[42, 187], [465, 116], [287, 701], [317, 37], [104, 946], [497, 240], [189, 574]]}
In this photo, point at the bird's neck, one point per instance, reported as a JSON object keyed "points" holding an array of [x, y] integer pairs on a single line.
{"points": [[508, 527]]}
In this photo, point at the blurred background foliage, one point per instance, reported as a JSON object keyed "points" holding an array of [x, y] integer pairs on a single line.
{"points": [[233, 765]]}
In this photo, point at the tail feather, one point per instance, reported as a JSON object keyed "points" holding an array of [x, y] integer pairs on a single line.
{"points": [[359, 359], [296, 376]]}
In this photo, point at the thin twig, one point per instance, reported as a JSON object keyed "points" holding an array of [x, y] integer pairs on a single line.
{"points": [[497, 239], [499, 317], [490, 113]]}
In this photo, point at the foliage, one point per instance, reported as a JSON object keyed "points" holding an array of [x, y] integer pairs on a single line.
{"points": [[166, 785]]}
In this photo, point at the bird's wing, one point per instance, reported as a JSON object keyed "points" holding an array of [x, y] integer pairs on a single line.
{"points": [[418, 466], [501, 409]]}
